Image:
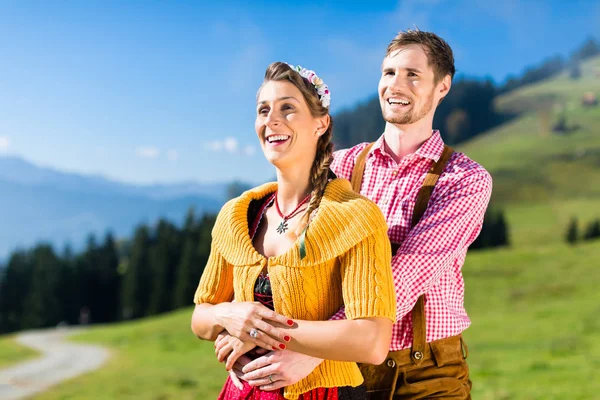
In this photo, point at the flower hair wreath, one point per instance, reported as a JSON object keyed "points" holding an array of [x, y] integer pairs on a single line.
{"points": [[311, 76]]}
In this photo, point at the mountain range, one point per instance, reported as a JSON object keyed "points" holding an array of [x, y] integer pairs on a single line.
{"points": [[43, 204]]}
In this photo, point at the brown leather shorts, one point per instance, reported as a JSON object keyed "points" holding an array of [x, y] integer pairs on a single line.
{"points": [[439, 372]]}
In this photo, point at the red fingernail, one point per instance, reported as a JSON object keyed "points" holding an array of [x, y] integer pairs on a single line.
{"points": [[290, 322], [274, 348], [286, 338], [282, 346]]}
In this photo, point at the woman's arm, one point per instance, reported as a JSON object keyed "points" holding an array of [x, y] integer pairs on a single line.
{"points": [[239, 318], [364, 340]]}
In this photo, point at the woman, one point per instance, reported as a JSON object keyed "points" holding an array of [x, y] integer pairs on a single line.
{"points": [[286, 256]]}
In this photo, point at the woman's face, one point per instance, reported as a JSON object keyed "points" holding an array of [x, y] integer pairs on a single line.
{"points": [[287, 131]]}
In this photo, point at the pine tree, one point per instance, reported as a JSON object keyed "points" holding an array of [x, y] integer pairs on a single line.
{"points": [[70, 292], [137, 277], [42, 306], [572, 234], [14, 288], [575, 69], [500, 230], [164, 260], [204, 246], [485, 237], [593, 230], [103, 281], [184, 281]]}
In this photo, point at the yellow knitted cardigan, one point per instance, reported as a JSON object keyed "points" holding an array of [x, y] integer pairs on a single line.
{"points": [[347, 262]]}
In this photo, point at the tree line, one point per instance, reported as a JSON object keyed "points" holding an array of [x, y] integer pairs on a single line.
{"points": [[156, 271]]}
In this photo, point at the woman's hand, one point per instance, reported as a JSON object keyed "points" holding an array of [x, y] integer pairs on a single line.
{"points": [[253, 322]]}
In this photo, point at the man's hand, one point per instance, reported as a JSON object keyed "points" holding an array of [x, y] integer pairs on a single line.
{"points": [[229, 348], [283, 367]]}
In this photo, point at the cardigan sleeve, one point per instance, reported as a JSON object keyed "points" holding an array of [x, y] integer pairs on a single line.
{"points": [[216, 283], [367, 284]]}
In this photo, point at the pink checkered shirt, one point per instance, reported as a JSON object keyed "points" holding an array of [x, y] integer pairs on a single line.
{"points": [[431, 256]]}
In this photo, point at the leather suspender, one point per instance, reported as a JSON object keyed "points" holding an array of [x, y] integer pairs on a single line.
{"points": [[431, 178]]}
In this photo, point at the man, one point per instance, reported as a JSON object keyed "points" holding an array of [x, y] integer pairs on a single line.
{"points": [[417, 74]]}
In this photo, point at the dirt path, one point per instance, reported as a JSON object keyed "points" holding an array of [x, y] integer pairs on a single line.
{"points": [[60, 360]]}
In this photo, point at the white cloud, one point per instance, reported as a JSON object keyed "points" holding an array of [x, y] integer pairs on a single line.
{"points": [[215, 145], [411, 13], [147, 152], [229, 145], [4, 144], [172, 155]]}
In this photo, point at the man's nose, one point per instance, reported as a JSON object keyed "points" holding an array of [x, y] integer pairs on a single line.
{"points": [[397, 82]]}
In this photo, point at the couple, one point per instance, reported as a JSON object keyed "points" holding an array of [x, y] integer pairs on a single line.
{"points": [[298, 293]]}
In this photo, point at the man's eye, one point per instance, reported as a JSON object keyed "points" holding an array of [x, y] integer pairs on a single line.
{"points": [[389, 73], [412, 74]]}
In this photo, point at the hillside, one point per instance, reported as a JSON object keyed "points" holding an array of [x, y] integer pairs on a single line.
{"points": [[529, 161], [543, 178]]}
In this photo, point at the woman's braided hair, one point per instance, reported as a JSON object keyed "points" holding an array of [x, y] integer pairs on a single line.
{"points": [[319, 173]]}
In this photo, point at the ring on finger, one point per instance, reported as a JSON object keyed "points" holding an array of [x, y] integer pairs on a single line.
{"points": [[271, 378], [253, 333]]}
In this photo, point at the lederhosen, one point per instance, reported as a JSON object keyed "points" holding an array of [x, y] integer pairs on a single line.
{"points": [[427, 370]]}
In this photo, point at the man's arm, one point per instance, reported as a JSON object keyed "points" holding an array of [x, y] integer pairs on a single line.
{"points": [[450, 224]]}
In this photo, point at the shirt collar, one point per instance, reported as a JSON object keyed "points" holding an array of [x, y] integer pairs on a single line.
{"points": [[432, 148]]}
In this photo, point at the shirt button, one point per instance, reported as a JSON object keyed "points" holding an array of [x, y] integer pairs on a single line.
{"points": [[391, 363], [394, 173]]}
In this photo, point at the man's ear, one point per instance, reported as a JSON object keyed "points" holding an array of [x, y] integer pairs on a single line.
{"points": [[443, 87]]}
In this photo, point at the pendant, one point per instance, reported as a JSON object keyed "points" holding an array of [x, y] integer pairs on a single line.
{"points": [[283, 226]]}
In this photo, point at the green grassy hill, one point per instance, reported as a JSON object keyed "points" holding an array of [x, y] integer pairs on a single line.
{"points": [[542, 177]]}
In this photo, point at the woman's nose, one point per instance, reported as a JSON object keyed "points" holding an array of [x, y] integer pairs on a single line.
{"points": [[272, 120]]}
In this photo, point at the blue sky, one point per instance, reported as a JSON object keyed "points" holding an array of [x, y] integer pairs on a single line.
{"points": [[164, 91]]}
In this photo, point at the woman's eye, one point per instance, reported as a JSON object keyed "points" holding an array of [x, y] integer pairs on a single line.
{"points": [[286, 107], [263, 111], [412, 74]]}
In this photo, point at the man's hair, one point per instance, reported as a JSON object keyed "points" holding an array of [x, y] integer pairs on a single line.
{"points": [[438, 51]]}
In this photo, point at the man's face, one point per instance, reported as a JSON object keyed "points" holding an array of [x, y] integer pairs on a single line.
{"points": [[407, 88]]}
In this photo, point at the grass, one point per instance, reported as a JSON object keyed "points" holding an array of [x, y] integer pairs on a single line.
{"points": [[157, 358], [535, 332], [542, 224], [12, 352]]}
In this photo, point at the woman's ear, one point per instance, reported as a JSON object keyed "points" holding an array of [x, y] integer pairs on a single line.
{"points": [[322, 124]]}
